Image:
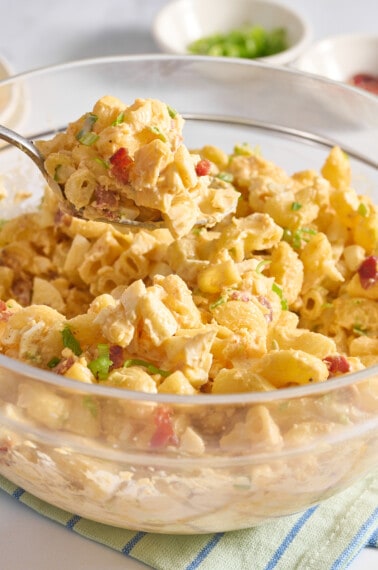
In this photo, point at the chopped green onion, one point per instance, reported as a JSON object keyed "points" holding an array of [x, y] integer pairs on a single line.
{"points": [[2, 223], [69, 341], [216, 303], [357, 329], [150, 367], [89, 121], [88, 139], [100, 366], [91, 405], [56, 172], [225, 176], [243, 149], [102, 162], [363, 210], [263, 263], [309, 231], [118, 120], [53, 362], [197, 231], [296, 206], [296, 237], [278, 290], [172, 112], [158, 132], [247, 41]]}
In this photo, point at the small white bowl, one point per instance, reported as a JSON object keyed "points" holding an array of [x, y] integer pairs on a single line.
{"points": [[183, 21], [341, 57]]}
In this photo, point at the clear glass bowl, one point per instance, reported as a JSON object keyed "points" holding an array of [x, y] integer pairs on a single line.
{"points": [[325, 436]]}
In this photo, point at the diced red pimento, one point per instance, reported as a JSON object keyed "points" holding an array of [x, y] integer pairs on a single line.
{"points": [[368, 272], [164, 433], [63, 365], [203, 167], [366, 81], [116, 356], [121, 162], [337, 364], [5, 313]]}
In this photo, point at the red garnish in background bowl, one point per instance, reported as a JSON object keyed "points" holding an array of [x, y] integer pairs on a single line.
{"points": [[366, 81]]}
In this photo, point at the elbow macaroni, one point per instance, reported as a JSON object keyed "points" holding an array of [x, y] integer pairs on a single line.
{"points": [[256, 302]]}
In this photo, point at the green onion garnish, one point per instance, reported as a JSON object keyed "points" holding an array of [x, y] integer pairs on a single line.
{"points": [[102, 162], [158, 132], [69, 341], [118, 120], [89, 121], [53, 362], [56, 172], [243, 149], [91, 405], [197, 231], [88, 139], [150, 367], [225, 176], [278, 290], [357, 329], [100, 366], [295, 237], [262, 264], [247, 41], [172, 112], [296, 206], [216, 303], [363, 210]]}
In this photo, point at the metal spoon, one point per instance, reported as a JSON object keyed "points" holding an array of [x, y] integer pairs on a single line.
{"points": [[27, 147]]}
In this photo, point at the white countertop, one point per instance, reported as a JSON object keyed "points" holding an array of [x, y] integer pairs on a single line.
{"points": [[35, 33]]}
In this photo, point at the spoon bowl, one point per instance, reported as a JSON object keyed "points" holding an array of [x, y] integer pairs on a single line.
{"points": [[30, 149]]}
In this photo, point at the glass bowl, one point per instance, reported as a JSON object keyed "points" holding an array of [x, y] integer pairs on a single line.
{"points": [[243, 459]]}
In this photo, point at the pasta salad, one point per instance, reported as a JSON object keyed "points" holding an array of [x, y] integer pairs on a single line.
{"points": [[280, 289]]}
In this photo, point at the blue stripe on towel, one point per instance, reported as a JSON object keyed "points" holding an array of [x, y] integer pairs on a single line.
{"points": [[289, 538], [130, 545], [18, 493], [373, 540], [355, 540], [205, 551], [73, 520]]}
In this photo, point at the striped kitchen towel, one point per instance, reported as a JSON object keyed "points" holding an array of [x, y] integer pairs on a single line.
{"points": [[326, 537]]}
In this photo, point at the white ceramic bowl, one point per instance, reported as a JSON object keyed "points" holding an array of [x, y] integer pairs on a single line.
{"points": [[183, 21], [341, 57]]}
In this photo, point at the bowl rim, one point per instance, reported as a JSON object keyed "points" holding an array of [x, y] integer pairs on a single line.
{"points": [[259, 63], [58, 381], [303, 41], [55, 380], [322, 46]]}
